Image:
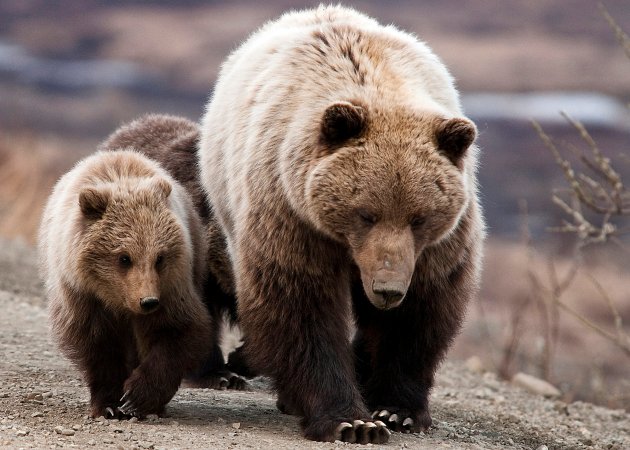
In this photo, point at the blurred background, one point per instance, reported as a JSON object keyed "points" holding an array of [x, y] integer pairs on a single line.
{"points": [[72, 71]]}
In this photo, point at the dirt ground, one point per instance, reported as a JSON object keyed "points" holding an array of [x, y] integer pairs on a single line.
{"points": [[43, 401]]}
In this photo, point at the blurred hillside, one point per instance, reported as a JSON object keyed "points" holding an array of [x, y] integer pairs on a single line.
{"points": [[71, 71], [77, 69]]}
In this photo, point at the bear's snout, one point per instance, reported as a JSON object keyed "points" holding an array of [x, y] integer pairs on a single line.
{"points": [[149, 304], [389, 294], [391, 291]]}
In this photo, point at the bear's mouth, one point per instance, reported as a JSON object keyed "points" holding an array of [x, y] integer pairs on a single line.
{"points": [[386, 300]]}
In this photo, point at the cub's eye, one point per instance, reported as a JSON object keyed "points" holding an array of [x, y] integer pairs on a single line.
{"points": [[417, 222], [159, 261], [124, 261], [367, 217]]}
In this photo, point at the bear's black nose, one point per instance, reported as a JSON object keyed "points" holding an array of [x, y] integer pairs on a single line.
{"points": [[149, 304]]}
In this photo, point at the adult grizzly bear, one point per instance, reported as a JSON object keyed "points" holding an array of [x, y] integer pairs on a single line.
{"points": [[122, 255], [172, 142], [342, 170]]}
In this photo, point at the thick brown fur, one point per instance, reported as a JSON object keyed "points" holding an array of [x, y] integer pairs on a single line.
{"points": [[118, 233], [172, 142], [342, 171]]}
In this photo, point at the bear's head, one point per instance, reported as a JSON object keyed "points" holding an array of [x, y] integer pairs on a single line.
{"points": [[388, 184], [133, 246]]}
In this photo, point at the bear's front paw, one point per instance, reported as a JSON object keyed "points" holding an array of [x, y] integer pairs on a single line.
{"points": [[353, 432], [361, 432], [221, 382], [404, 420]]}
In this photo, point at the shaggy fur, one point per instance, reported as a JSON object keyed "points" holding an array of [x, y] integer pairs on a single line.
{"points": [[118, 230], [172, 142], [342, 170]]}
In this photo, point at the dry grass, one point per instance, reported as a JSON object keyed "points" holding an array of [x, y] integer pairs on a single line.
{"points": [[29, 167], [510, 330]]}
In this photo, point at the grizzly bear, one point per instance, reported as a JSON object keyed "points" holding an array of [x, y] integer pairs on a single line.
{"points": [[172, 142], [122, 255], [342, 171]]}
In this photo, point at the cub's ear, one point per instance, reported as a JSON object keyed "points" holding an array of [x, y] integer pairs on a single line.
{"points": [[343, 121], [454, 136], [93, 202], [164, 188]]}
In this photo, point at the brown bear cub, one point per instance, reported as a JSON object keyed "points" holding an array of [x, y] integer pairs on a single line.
{"points": [[122, 254], [342, 170], [172, 142]]}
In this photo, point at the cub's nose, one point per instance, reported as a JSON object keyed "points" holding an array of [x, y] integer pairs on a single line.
{"points": [[391, 292], [149, 304]]}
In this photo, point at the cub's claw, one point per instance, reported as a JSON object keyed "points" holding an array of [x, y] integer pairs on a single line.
{"points": [[128, 409], [109, 413], [124, 397], [407, 424]]}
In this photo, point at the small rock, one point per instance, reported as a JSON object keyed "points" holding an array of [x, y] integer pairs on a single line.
{"points": [[47, 394], [64, 431], [231, 434], [4, 395], [535, 385], [76, 427], [37, 414], [21, 433], [475, 365], [145, 445], [133, 420], [152, 417], [35, 396], [91, 442], [543, 447], [236, 425]]}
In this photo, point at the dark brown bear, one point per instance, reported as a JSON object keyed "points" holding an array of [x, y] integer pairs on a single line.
{"points": [[172, 142], [122, 254]]}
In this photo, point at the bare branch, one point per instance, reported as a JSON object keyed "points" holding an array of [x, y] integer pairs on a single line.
{"points": [[621, 36]]}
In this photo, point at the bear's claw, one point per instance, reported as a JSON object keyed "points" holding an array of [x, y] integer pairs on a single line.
{"points": [[362, 432], [399, 421]]}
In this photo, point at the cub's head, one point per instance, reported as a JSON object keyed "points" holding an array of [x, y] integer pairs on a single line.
{"points": [[134, 248], [388, 184]]}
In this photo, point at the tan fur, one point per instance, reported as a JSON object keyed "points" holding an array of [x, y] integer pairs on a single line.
{"points": [[110, 205], [171, 141], [338, 160]]}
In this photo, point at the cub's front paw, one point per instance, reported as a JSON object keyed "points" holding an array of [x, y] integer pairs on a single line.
{"points": [[142, 397], [107, 411], [403, 420]]}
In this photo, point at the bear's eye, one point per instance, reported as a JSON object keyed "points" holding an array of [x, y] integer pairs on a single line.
{"points": [[159, 261], [417, 222], [124, 261], [367, 217]]}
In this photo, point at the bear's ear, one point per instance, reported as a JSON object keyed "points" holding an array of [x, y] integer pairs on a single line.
{"points": [[454, 136], [164, 188], [93, 202], [343, 121]]}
